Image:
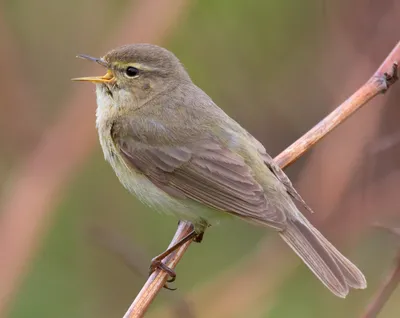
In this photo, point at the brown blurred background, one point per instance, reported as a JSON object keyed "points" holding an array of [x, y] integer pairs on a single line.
{"points": [[277, 67]]}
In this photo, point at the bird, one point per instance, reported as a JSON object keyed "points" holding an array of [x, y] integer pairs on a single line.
{"points": [[178, 152]]}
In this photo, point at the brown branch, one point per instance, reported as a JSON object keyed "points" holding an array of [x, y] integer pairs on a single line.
{"points": [[383, 78], [332, 175], [135, 259], [38, 183], [158, 278], [376, 84]]}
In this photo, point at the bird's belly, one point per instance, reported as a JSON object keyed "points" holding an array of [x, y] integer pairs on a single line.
{"points": [[139, 185]]}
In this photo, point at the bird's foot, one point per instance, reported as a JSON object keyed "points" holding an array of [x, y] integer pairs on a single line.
{"points": [[156, 263]]}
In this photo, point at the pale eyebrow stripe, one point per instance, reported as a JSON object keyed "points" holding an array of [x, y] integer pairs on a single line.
{"points": [[136, 65]]}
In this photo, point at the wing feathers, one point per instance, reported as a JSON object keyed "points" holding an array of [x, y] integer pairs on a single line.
{"points": [[205, 172]]}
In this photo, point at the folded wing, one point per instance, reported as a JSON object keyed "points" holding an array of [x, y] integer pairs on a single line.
{"points": [[205, 172]]}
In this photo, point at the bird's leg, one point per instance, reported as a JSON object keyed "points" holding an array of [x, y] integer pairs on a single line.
{"points": [[198, 238], [200, 230], [156, 262]]}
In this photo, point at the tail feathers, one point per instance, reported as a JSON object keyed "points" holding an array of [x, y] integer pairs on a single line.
{"points": [[353, 276], [334, 270]]}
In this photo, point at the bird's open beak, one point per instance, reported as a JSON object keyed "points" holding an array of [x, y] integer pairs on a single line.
{"points": [[107, 78]]}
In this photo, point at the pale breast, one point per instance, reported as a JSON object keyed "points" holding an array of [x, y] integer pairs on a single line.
{"points": [[134, 181]]}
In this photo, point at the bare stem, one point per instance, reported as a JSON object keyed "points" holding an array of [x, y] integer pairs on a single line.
{"points": [[158, 278], [382, 79]]}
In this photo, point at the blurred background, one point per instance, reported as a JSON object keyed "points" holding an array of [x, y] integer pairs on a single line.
{"points": [[74, 243]]}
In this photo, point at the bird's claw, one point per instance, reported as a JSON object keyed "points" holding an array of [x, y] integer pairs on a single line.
{"points": [[157, 264]]}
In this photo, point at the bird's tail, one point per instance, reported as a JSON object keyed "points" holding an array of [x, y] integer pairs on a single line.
{"points": [[325, 261]]}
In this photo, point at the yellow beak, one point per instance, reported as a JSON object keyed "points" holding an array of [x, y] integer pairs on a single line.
{"points": [[107, 78]]}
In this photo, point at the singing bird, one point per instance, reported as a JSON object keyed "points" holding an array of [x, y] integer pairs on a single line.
{"points": [[178, 152]]}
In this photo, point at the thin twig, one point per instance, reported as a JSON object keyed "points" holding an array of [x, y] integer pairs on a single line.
{"points": [[383, 78], [331, 174], [376, 84], [135, 259], [158, 278]]}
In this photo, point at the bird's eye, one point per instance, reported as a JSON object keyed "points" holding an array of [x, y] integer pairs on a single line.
{"points": [[131, 71]]}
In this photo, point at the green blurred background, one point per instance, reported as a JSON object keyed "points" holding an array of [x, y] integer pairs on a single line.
{"points": [[277, 67]]}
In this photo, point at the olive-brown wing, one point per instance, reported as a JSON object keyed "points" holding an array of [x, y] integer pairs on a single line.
{"points": [[205, 172], [278, 172]]}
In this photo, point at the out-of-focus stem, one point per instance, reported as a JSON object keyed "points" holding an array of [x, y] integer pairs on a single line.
{"points": [[37, 184], [385, 291]]}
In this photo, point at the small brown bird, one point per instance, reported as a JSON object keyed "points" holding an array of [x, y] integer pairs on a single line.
{"points": [[179, 153]]}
